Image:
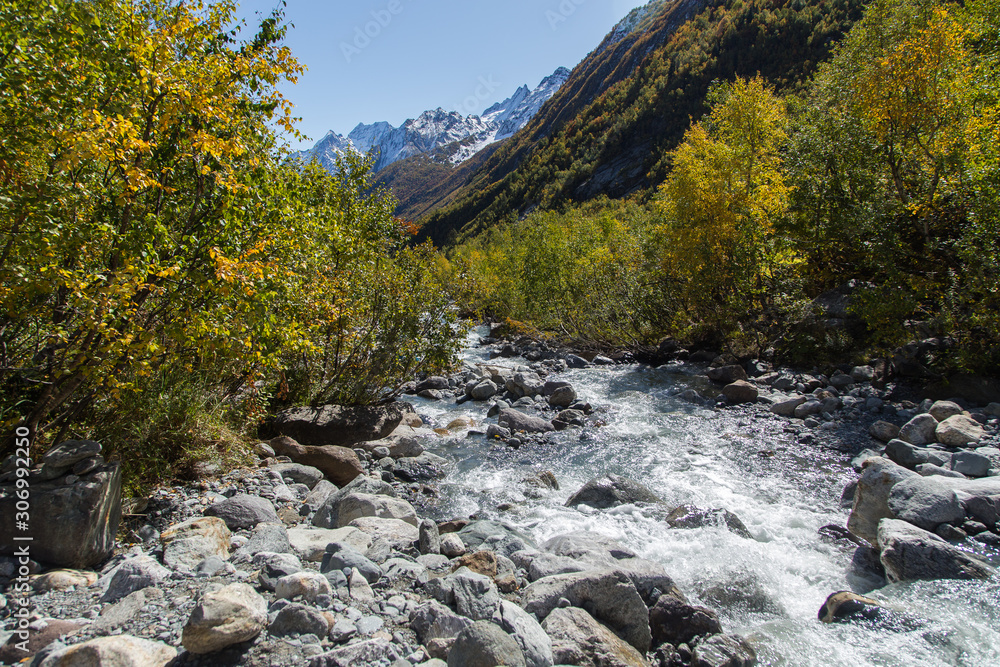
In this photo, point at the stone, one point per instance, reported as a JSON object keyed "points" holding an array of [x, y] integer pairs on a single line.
{"points": [[689, 516], [266, 537], [244, 511], [909, 553], [809, 408], [359, 588], [985, 509], [483, 644], [357, 505], [429, 540], [310, 543], [339, 464], [296, 473], [342, 556], [579, 639], [609, 595], [924, 502], [610, 491], [785, 407], [484, 390], [375, 651], [319, 493], [71, 452], [673, 621], [931, 470], [274, 566], [971, 464], [920, 431], [298, 619], [724, 651], [337, 425], [81, 519], [326, 513], [910, 456], [432, 620], [475, 595], [60, 580], [494, 536], [959, 431], [424, 468], [993, 410], [527, 632], [520, 422], [563, 397], [727, 374], [871, 499], [942, 410], [452, 545], [230, 615], [884, 431], [120, 651], [187, 544], [307, 584], [863, 373], [740, 392], [132, 575], [575, 361], [39, 635]]}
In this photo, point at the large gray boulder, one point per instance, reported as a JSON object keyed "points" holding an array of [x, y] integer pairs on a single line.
{"points": [[910, 456], [339, 425], [244, 511], [133, 575], [483, 644], [608, 595], [674, 621], [942, 410], [326, 515], [919, 431], [357, 505], [909, 553], [959, 431], [73, 525], [475, 595], [494, 536], [526, 631], [925, 502], [518, 421], [426, 467], [188, 543], [871, 499], [432, 620], [230, 615], [120, 651], [610, 491], [579, 639]]}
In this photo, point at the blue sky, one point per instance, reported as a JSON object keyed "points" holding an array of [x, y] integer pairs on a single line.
{"points": [[372, 60]]}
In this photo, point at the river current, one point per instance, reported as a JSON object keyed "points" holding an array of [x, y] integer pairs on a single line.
{"points": [[768, 589]]}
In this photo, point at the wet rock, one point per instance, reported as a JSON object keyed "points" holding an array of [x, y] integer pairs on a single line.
{"points": [[743, 592], [924, 502], [484, 390], [483, 644], [339, 464], [307, 584], [230, 615], [871, 500], [339, 425], [244, 511], [357, 505], [959, 431], [527, 632], [673, 621], [910, 553], [424, 468], [689, 516], [493, 536], [740, 392], [520, 422], [610, 491], [848, 607], [579, 639], [120, 651], [608, 595], [563, 397], [884, 431], [433, 383], [574, 361], [132, 575], [187, 544], [920, 431], [724, 651]]}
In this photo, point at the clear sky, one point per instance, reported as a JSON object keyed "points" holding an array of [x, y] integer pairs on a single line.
{"points": [[373, 60]]}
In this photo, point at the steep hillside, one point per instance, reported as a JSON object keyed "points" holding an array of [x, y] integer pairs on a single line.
{"points": [[628, 103]]}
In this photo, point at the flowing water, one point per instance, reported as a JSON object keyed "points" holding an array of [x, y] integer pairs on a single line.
{"points": [[768, 589]]}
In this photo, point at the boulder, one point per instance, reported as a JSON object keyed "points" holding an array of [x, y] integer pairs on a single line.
{"points": [[809, 408], [525, 630], [920, 431], [483, 644], [326, 513], [340, 464], [266, 537], [357, 505], [67, 454], [244, 511], [483, 390], [985, 509], [724, 651], [432, 620], [426, 467], [272, 567], [611, 491], [433, 383], [848, 607], [338, 425], [740, 392], [39, 635], [310, 543], [909, 553], [296, 473], [230, 615], [942, 410], [786, 407], [307, 584], [345, 557], [924, 502], [673, 621], [689, 516], [80, 520], [871, 499], [399, 534], [727, 374], [910, 456], [884, 431], [518, 421], [475, 595], [60, 580], [579, 639], [608, 595], [187, 544], [563, 397], [493, 536], [133, 575], [429, 541], [959, 431], [971, 464], [375, 651], [120, 651], [296, 619]]}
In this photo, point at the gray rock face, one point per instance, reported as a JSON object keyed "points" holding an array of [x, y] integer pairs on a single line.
{"points": [[985, 509], [518, 421], [972, 464], [727, 374], [484, 390], [924, 502], [368, 652], [340, 425], [133, 575], [611, 491], [786, 407], [724, 651], [579, 639], [959, 431], [432, 620], [244, 511], [81, 519], [429, 541], [231, 615], [530, 637], [871, 499], [483, 644], [475, 595], [120, 651], [919, 431], [297, 619], [608, 595], [562, 397], [71, 452], [673, 621], [910, 554]]}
